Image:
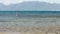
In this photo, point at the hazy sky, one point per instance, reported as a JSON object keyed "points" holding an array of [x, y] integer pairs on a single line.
{"points": [[17, 1], [10, 1]]}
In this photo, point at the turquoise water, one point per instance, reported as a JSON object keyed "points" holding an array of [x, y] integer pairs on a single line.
{"points": [[29, 12], [33, 18]]}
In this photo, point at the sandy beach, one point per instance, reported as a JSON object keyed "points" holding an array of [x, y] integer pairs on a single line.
{"points": [[31, 30]]}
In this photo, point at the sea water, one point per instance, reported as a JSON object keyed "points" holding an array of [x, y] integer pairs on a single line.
{"points": [[29, 18]]}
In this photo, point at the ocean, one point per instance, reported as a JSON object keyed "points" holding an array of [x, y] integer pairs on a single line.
{"points": [[29, 12], [29, 18]]}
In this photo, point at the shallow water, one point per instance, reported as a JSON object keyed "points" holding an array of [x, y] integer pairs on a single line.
{"points": [[29, 21], [29, 18]]}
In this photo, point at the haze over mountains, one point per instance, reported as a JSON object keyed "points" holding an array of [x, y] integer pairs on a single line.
{"points": [[30, 6]]}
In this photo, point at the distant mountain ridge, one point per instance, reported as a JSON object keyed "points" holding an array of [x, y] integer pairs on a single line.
{"points": [[30, 6]]}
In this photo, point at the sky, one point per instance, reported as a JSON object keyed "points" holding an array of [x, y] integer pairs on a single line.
{"points": [[6, 2], [19, 1]]}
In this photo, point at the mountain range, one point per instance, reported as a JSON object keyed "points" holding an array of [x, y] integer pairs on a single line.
{"points": [[30, 6]]}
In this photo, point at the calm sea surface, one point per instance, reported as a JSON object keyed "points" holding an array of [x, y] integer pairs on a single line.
{"points": [[30, 12], [29, 18]]}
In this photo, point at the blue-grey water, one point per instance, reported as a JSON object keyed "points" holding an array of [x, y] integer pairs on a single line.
{"points": [[29, 18]]}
